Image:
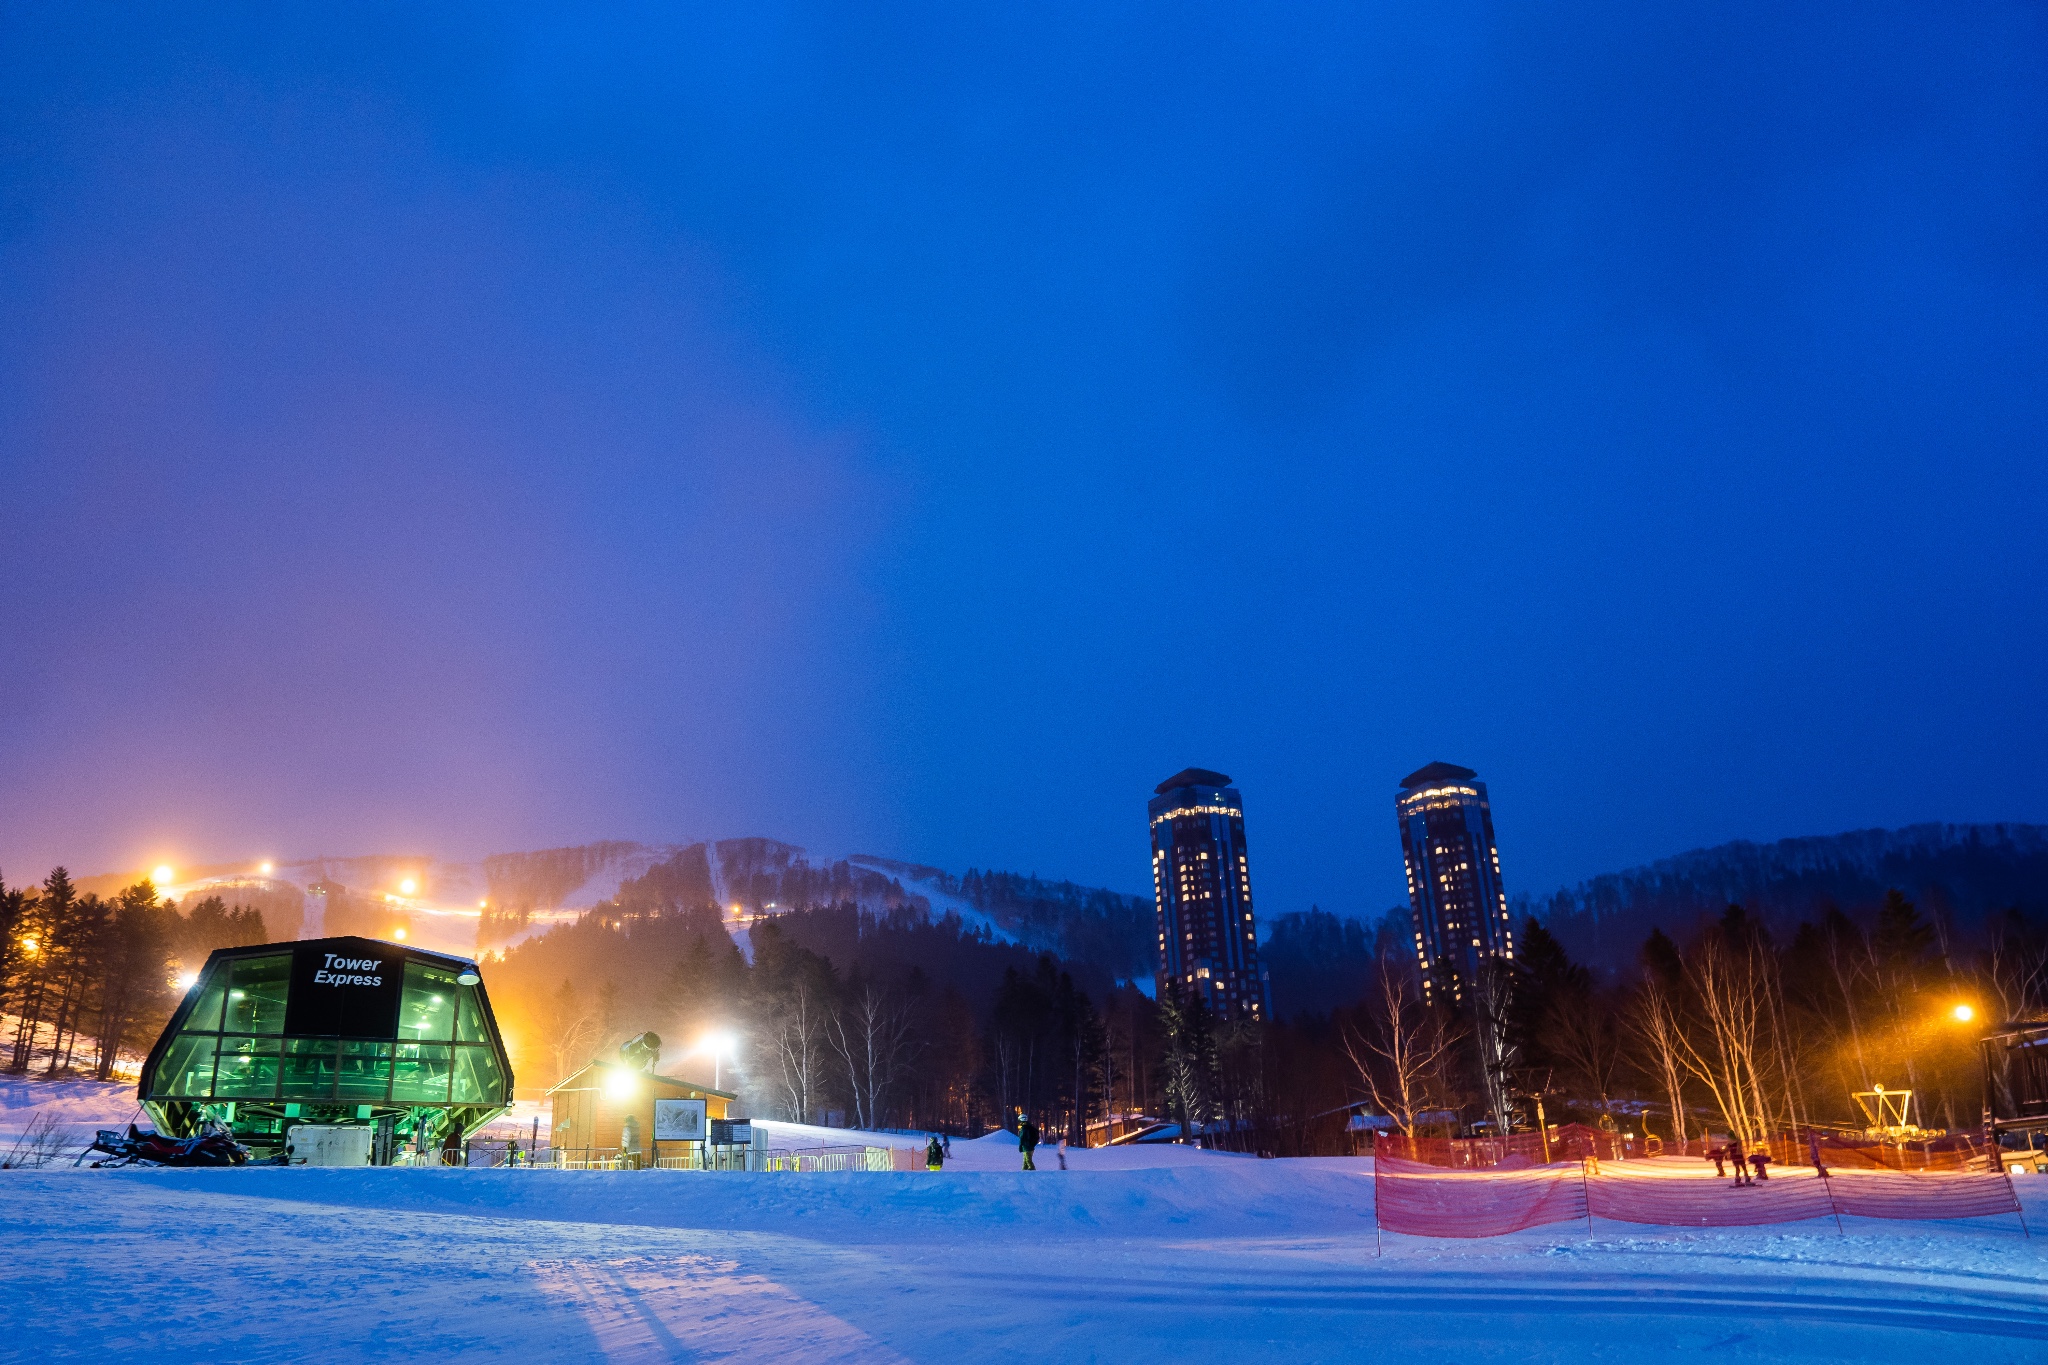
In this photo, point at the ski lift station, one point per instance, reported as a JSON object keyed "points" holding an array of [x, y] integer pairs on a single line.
{"points": [[336, 1032]]}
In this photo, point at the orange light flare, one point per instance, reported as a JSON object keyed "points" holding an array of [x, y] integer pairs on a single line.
{"points": [[408, 887], [1963, 1013], [398, 934]]}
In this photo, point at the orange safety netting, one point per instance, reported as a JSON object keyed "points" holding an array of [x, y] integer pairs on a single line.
{"points": [[1689, 1201], [1422, 1199], [1426, 1200], [1893, 1194]]}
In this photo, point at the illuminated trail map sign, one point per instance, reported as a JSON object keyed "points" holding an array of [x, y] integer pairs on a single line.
{"points": [[679, 1121]]}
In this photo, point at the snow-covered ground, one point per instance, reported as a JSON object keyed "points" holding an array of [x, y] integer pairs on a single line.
{"points": [[77, 1108], [1132, 1254]]}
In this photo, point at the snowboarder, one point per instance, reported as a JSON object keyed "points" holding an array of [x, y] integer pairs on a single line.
{"points": [[1735, 1158], [1027, 1138], [1757, 1161], [934, 1154]]}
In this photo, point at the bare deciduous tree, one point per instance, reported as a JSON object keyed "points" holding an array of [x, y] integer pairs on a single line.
{"points": [[797, 1040], [874, 1040], [1580, 1033], [1728, 979], [1402, 1058], [1652, 1018], [2015, 966]]}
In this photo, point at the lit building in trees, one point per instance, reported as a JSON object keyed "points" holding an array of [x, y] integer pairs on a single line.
{"points": [[1455, 896], [1202, 886]]}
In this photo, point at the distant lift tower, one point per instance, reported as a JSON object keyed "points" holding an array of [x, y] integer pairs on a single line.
{"points": [[1455, 896], [1202, 886]]}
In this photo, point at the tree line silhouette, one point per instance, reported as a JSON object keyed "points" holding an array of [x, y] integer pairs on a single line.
{"points": [[84, 978]]}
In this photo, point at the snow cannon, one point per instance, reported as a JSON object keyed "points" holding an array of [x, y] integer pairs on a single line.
{"points": [[641, 1053]]}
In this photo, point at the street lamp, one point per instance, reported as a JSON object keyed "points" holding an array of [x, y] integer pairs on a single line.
{"points": [[1962, 1014], [720, 1045]]}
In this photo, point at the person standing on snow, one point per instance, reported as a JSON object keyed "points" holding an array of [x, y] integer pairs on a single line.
{"points": [[1063, 1154], [451, 1145], [1719, 1156], [1757, 1161], [629, 1142], [1736, 1159], [934, 1154], [1027, 1138]]}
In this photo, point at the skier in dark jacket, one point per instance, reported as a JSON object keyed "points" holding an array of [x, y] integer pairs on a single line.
{"points": [[1719, 1156], [934, 1155], [1757, 1162], [1027, 1138], [1736, 1159]]}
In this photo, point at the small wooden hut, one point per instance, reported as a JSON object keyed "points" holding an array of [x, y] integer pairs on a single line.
{"points": [[591, 1108]]}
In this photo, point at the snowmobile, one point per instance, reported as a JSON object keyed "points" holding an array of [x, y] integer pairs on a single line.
{"points": [[212, 1145]]}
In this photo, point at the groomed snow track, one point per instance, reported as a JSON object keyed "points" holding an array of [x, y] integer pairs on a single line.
{"points": [[1197, 1259]]}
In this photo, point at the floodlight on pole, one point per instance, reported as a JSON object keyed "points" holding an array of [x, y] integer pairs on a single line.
{"points": [[1962, 1014], [720, 1045]]}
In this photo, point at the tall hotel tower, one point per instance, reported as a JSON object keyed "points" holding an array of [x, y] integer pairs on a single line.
{"points": [[1202, 884], [1454, 888]]}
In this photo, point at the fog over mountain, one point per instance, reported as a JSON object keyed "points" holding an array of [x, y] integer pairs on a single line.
{"points": [[1957, 873]]}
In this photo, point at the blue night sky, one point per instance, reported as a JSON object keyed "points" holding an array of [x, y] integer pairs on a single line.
{"points": [[921, 433]]}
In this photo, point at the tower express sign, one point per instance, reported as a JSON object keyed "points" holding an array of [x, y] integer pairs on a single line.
{"points": [[349, 971], [346, 988]]}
